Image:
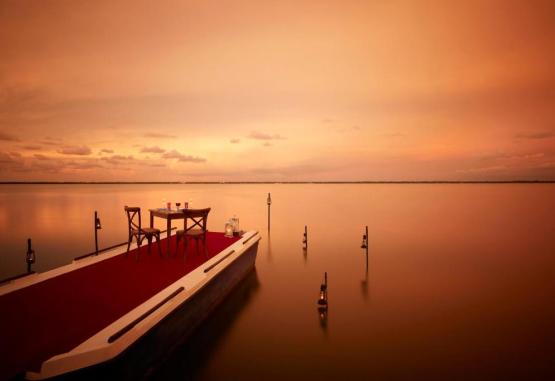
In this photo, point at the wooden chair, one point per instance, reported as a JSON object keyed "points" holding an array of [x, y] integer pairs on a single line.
{"points": [[140, 233], [197, 230]]}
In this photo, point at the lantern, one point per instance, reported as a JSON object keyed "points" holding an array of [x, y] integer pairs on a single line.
{"points": [[229, 229]]}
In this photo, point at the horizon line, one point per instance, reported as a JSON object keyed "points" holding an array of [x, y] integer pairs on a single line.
{"points": [[283, 182]]}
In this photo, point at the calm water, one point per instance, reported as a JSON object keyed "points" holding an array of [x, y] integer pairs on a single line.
{"points": [[460, 281]]}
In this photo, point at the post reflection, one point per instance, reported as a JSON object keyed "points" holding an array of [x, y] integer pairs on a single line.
{"points": [[269, 248], [365, 284], [323, 318]]}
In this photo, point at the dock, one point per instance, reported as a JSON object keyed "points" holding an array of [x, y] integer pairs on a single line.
{"points": [[45, 315]]}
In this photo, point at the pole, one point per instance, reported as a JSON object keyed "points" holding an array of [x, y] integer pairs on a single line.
{"points": [[95, 232], [30, 256], [367, 244], [269, 202]]}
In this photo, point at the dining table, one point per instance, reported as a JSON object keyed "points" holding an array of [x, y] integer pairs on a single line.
{"points": [[168, 215]]}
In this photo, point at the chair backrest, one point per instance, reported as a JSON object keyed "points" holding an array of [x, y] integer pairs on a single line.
{"points": [[133, 216], [199, 218]]}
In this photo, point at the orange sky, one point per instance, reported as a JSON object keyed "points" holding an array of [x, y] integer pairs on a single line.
{"points": [[277, 90]]}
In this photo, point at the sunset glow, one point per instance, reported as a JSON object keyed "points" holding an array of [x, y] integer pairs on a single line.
{"points": [[277, 91]]}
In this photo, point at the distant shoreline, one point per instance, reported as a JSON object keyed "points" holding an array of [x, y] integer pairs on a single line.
{"points": [[264, 182]]}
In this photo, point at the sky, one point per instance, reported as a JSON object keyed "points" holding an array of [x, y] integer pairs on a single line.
{"points": [[277, 90]]}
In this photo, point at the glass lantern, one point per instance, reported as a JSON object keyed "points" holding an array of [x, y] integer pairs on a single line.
{"points": [[229, 229], [235, 221]]}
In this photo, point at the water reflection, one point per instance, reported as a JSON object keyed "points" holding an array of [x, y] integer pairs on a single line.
{"points": [[323, 318], [191, 357], [269, 247], [364, 284], [437, 256]]}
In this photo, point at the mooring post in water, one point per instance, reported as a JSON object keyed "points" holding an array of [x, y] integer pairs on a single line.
{"points": [[305, 238], [269, 202], [364, 244], [30, 256], [97, 227], [323, 299]]}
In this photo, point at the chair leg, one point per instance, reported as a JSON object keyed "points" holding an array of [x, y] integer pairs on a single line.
{"points": [[158, 244], [129, 239], [149, 240], [177, 239], [139, 241]]}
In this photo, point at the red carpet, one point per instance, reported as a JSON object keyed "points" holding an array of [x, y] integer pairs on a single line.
{"points": [[56, 315]]}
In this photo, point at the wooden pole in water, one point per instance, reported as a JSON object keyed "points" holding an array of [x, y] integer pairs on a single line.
{"points": [[97, 226], [364, 244], [269, 202], [367, 244], [305, 238], [30, 257]]}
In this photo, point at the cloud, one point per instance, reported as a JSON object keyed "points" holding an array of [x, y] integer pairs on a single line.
{"points": [[117, 159], [106, 150], [8, 137], [509, 156], [154, 149], [157, 135], [535, 135], [39, 156], [493, 168], [234, 141], [263, 136], [32, 147], [183, 158], [75, 150], [83, 165]]}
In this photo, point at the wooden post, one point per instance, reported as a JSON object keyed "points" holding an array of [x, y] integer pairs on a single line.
{"points": [[95, 233], [367, 243], [305, 238], [269, 202], [364, 244], [30, 257]]}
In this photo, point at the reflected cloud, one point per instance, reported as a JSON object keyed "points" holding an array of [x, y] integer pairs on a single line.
{"points": [[8, 137], [536, 135]]}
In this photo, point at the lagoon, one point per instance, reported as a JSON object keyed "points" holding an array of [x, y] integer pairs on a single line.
{"points": [[459, 282]]}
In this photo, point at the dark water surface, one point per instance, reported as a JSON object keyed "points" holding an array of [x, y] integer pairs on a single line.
{"points": [[460, 282]]}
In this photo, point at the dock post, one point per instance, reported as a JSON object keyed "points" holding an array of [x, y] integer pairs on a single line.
{"points": [[323, 299], [364, 244], [30, 257], [269, 202], [97, 227], [305, 238]]}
